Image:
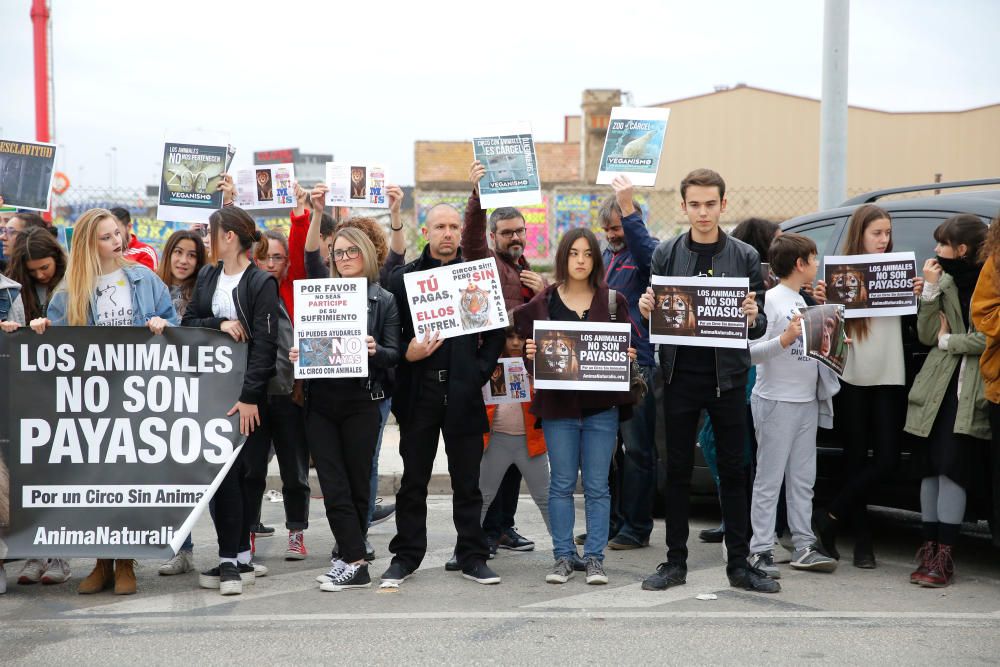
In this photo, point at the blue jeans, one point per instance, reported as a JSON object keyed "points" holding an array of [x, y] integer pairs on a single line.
{"points": [[584, 444], [383, 409], [639, 468]]}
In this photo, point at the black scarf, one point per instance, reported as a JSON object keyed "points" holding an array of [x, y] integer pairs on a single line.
{"points": [[965, 276]]}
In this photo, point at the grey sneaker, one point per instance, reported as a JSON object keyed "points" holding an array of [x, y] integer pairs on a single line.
{"points": [[809, 558], [764, 561], [181, 563], [595, 571], [32, 571], [56, 571], [561, 573]]}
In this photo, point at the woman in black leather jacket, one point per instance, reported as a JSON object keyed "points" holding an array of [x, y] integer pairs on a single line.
{"points": [[342, 414]]}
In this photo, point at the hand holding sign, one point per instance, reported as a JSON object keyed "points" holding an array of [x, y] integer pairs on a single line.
{"points": [[476, 173], [318, 196], [228, 189], [421, 349], [157, 325], [624, 192], [750, 307], [646, 302], [529, 349], [792, 331]]}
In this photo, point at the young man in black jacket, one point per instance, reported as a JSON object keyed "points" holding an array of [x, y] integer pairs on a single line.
{"points": [[705, 378], [439, 391]]}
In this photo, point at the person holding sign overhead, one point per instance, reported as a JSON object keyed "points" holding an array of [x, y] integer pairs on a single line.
{"points": [[438, 391], [342, 413], [581, 427], [872, 399], [705, 378]]}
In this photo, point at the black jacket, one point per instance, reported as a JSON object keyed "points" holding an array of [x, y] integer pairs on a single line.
{"points": [[734, 259], [256, 299], [471, 362]]}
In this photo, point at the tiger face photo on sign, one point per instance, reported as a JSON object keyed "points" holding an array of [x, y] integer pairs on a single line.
{"points": [[556, 358]]}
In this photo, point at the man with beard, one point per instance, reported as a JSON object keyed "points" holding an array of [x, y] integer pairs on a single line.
{"points": [[627, 256], [519, 284]]}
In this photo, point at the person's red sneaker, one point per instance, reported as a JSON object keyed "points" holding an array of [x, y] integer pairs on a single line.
{"points": [[942, 569], [925, 556], [296, 546]]}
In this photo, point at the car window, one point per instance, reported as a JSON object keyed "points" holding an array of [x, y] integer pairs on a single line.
{"points": [[916, 233], [820, 236]]}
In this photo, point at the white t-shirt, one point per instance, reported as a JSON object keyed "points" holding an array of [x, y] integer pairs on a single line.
{"points": [[783, 373], [877, 358], [114, 300], [222, 300]]}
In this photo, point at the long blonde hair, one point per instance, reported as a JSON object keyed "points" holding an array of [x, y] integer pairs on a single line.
{"points": [[85, 265], [369, 259]]}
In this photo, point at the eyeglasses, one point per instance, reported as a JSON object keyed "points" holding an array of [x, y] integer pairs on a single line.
{"points": [[351, 253], [275, 259], [510, 233], [9, 231]]}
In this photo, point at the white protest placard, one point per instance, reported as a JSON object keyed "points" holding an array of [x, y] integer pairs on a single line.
{"points": [[192, 168], [875, 285], [591, 356], [633, 144], [331, 327], [508, 383], [26, 172], [356, 184], [508, 154], [823, 336], [456, 299], [705, 312], [266, 186]]}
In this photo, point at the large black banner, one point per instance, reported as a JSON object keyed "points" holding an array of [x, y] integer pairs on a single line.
{"points": [[112, 440]]}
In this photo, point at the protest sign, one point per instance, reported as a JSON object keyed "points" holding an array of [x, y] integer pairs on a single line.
{"points": [[705, 312], [633, 145], [266, 186], [592, 356], [114, 439], [508, 154], [874, 285], [353, 184], [456, 299], [331, 327], [26, 172], [189, 181], [508, 383], [823, 336]]}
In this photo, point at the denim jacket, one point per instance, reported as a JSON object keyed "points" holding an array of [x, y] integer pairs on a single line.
{"points": [[150, 298], [9, 291]]}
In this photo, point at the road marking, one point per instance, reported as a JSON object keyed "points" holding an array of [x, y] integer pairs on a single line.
{"points": [[709, 580]]}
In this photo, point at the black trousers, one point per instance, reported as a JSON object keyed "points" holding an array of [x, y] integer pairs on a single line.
{"points": [[237, 500], [868, 418], [418, 446], [683, 400], [342, 439], [289, 437], [994, 486], [500, 516]]}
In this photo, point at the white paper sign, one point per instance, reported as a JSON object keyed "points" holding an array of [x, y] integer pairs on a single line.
{"points": [[873, 285], [592, 356], [508, 383], [331, 325], [704, 312], [508, 154], [633, 144], [192, 168], [356, 184], [266, 186], [456, 299]]}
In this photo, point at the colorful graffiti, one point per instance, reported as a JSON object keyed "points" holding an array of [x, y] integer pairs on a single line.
{"points": [[536, 219]]}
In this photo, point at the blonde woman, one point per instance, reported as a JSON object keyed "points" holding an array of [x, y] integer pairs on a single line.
{"points": [[102, 288]]}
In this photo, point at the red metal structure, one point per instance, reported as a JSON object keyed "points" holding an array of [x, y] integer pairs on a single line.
{"points": [[40, 22]]}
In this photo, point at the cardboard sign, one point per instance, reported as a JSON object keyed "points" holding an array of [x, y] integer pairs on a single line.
{"points": [[266, 186], [590, 356], [875, 285], [633, 144], [456, 299], [705, 312], [823, 336], [26, 172], [358, 185], [511, 179], [189, 181], [331, 327], [508, 383]]}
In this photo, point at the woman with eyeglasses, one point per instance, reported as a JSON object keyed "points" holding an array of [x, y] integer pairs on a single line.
{"points": [[342, 414]]}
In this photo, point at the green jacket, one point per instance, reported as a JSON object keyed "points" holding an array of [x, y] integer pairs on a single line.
{"points": [[933, 379]]}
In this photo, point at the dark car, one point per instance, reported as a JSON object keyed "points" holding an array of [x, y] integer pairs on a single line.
{"points": [[914, 219]]}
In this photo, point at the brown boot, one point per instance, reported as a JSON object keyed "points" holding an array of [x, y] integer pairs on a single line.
{"points": [[102, 578], [125, 577]]}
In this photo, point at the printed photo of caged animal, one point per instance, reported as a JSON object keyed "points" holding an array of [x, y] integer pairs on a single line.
{"points": [[557, 358], [847, 286], [676, 310]]}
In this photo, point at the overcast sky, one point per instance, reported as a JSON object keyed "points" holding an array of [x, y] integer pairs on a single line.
{"points": [[365, 80]]}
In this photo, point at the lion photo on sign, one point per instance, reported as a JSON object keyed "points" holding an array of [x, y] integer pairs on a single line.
{"points": [[557, 359], [847, 286], [498, 381], [676, 310]]}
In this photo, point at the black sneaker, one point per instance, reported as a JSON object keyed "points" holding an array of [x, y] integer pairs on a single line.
{"points": [[351, 576], [825, 529], [667, 575], [514, 542], [382, 512], [396, 573], [260, 530], [481, 574], [491, 542], [752, 579], [580, 539], [712, 535], [452, 564], [211, 578], [230, 582]]}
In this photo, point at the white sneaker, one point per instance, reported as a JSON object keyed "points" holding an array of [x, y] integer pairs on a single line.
{"points": [[336, 567], [32, 572], [181, 563], [258, 570], [56, 571]]}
